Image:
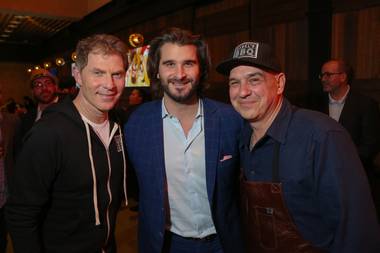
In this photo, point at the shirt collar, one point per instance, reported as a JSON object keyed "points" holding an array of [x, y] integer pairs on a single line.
{"points": [[165, 112], [339, 101], [277, 130]]}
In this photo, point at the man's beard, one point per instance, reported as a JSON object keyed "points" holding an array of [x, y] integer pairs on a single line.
{"points": [[46, 100], [181, 98]]}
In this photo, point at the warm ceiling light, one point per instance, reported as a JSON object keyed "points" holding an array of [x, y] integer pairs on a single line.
{"points": [[60, 61], [136, 40], [74, 56], [37, 67], [47, 65], [29, 70]]}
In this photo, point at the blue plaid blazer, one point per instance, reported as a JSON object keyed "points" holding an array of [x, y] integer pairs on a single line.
{"points": [[144, 141]]}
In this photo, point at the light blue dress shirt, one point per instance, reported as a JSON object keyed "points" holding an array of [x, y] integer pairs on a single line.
{"points": [[336, 106], [190, 214]]}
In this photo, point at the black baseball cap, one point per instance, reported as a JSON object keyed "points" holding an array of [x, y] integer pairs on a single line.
{"points": [[256, 54]]}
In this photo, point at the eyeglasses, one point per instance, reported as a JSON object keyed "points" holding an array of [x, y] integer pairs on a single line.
{"points": [[328, 74], [39, 85]]}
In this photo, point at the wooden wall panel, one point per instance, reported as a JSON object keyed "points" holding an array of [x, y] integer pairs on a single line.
{"points": [[224, 22], [283, 24], [356, 38], [219, 7], [271, 12], [349, 5], [290, 42], [221, 48], [182, 18]]}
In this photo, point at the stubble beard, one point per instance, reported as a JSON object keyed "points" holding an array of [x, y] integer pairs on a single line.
{"points": [[180, 98]]}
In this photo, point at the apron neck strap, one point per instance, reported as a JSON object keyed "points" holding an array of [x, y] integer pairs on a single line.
{"points": [[275, 162]]}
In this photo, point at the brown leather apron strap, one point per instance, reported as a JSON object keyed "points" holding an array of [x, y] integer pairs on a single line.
{"points": [[268, 226], [275, 163]]}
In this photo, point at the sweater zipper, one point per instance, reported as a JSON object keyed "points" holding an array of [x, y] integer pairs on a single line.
{"points": [[109, 195], [108, 185]]}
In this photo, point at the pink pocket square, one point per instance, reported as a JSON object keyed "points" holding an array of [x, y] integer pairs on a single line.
{"points": [[226, 157]]}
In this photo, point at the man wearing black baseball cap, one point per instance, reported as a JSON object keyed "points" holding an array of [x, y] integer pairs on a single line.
{"points": [[303, 186]]}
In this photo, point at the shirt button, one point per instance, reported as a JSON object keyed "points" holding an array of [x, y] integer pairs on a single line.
{"points": [[252, 172]]}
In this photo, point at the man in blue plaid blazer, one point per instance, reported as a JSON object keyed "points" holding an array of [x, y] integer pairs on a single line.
{"points": [[184, 149]]}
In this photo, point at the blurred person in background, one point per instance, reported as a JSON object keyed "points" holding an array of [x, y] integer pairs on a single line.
{"points": [[44, 87], [7, 126]]}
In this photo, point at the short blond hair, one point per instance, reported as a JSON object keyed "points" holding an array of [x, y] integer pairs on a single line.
{"points": [[100, 44]]}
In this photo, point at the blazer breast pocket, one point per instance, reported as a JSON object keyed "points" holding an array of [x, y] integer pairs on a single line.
{"points": [[228, 162]]}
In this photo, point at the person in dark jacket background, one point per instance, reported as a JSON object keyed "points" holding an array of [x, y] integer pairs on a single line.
{"points": [[69, 178], [357, 113], [44, 86]]}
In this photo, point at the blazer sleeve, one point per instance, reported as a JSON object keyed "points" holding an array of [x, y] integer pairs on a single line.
{"points": [[370, 135]]}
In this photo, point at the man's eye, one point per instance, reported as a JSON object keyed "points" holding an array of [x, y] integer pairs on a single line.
{"points": [[189, 64], [118, 75], [254, 81], [169, 64], [37, 85], [233, 83]]}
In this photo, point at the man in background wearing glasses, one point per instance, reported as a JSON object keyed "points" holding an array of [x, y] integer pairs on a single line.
{"points": [[357, 113], [44, 87]]}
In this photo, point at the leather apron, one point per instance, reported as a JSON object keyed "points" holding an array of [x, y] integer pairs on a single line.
{"points": [[267, 223]]}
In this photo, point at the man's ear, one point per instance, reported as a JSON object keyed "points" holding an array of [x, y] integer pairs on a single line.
{"points": [[280, 81], [77, 76], [344, 77]]}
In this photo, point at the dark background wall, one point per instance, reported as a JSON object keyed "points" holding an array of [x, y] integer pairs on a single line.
{"points": [[304, 33]]}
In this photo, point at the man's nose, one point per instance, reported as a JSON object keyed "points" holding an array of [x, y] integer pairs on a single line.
{"points": [[245, 89], [180, 72]]}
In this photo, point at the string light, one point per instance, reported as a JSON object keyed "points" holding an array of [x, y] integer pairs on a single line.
{"points": [[74, 56], [60, 62], [135, 40], [47, 65]]}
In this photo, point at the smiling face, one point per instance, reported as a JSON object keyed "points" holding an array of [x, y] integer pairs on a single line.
{"points": [[255, 93], [101, 84], [44, 90], [179, 72]]}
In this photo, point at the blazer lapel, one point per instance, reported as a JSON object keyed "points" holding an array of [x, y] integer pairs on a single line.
{"points": [[157, 135], [212, 132], [348, 108]]}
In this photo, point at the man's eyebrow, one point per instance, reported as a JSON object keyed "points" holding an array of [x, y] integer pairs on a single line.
{"points": [[249, 75], [97, 70], [167, 61]]}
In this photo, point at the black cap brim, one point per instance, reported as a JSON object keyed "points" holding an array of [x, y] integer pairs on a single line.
{"points": [[225, 67]]}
